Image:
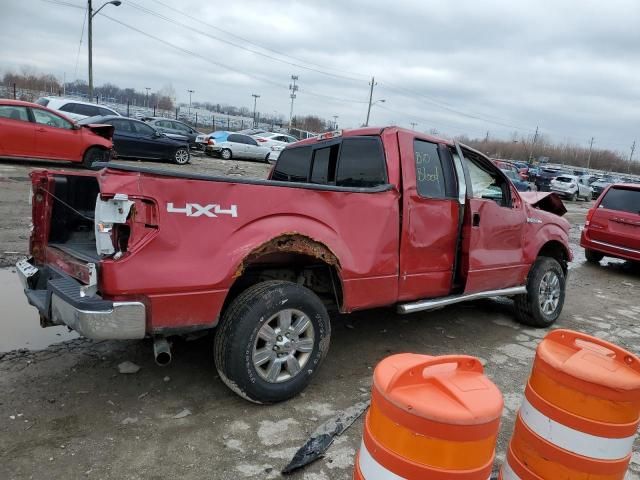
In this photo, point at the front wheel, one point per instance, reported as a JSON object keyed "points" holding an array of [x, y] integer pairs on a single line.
{"points": [[181, 157], [573, 197], [226, 154], [271, 341], [542, 304]]}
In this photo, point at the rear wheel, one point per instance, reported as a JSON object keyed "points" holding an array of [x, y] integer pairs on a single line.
{"points": [[181, 156], [271, 341], [573, 197], [542, 304], [94, 154], [592, 256], [226, 154]]}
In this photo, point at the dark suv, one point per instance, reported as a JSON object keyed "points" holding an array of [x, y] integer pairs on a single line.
{"points": [[544, 177]]}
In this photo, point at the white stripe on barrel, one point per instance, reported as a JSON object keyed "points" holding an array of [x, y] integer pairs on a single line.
{"points": [[372, 470], [575, 441]]}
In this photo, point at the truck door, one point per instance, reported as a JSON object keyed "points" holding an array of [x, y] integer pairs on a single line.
{"points": [[492, 240], [430, 220]]}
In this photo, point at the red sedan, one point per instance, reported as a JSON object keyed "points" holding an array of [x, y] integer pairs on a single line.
{"points": [[612, 228], [31, 132]]}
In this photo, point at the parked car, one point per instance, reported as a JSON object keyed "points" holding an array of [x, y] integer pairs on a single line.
{"points": [[237, 145], [75, 109], [544, 177], [520, 184], [275, 141], [203, 140], [612, 227], [599, 186], [31, 131], [168, 126], [136, 139], [571, 187], [347, 221]]}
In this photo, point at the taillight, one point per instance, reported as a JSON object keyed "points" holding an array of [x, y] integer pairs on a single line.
{"points": [[589, 215], [211, 141]]}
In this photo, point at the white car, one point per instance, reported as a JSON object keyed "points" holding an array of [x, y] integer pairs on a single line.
{"points": [[275, 141], [75, 109], [571, 187], [237, 146]]}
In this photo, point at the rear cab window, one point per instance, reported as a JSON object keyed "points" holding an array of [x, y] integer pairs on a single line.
{"points": [[356, 162], [622, 199]]}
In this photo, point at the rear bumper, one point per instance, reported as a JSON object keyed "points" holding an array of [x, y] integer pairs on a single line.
{"points": [[563, 193], [608, 249], [58, 298]]}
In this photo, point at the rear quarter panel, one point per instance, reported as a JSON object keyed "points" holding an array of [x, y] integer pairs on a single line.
{"points": [[187, 268]]}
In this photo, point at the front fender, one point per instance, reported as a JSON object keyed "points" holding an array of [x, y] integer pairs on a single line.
{"points": [[537, 238]]}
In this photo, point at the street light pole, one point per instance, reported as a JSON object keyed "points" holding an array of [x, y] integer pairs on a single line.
{"points": [[147, 97], [190, 92], [90, 15], [255, 102]]}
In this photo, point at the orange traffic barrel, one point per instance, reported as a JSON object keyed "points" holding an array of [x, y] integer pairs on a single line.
{"points": [[580, 411], [433, 418]]}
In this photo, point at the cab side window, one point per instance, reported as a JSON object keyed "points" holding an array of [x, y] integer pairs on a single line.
{"points": [[434, 175]]}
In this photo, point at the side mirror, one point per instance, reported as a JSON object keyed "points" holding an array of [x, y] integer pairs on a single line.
{"points": [[76, 126], [157, 134]]}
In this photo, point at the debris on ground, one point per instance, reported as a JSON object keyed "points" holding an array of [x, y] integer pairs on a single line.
{"points": [[322, 438], [128, 367], [184, 413], [129, 420]]}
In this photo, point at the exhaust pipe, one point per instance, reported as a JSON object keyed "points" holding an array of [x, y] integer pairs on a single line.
{"points": [[162, 351]]}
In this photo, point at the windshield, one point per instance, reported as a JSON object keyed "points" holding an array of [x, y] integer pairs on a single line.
{"points": [[565, 179]]}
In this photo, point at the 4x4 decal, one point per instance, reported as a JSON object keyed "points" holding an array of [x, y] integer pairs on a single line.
{"points": [[197, 210]]}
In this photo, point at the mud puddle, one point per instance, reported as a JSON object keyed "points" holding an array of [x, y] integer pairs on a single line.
{"points": [[19, 321]]}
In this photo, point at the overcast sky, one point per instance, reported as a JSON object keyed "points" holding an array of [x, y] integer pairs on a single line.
{"points": [[571, 67]]}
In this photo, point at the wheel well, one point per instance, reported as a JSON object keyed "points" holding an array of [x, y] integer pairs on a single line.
{"points": [[295, 258], [556, 250]]}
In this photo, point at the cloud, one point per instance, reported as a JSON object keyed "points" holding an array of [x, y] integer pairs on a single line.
{"points": [[569, 67]]}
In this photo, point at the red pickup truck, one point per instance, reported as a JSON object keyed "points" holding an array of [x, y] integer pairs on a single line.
{"points": [[347, 221]]}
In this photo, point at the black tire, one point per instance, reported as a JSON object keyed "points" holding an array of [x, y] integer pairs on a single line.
{"points": [[94, 154], [529, 310], [592, 256], [573, 197], [226, 154], [181, 156], [237, 339], [266, 159]]}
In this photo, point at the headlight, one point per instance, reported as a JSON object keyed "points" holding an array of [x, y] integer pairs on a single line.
{"points": [[277, 148]]}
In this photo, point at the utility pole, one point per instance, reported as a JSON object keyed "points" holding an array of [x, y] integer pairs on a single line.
{"points": [[633, 149], [189, 112], [486, 137], [90, 15], [255, 102], [294, 88], [147, 97], [373, 84], [535, 138], [413, 125], [590, 149], [335, 122]]}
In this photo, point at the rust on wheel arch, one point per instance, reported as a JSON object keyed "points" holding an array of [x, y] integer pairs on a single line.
{"points": [[291, 242]]}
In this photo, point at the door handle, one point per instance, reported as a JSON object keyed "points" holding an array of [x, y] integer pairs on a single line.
{"points": [[476, 220]]}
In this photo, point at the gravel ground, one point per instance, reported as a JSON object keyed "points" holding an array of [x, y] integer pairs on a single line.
{"points": [[67, 412]]}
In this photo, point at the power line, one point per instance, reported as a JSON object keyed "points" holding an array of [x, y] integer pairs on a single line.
{"points": [[64, 4], [222, 65], [233, 44], [84, 22], [199, 20]]}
